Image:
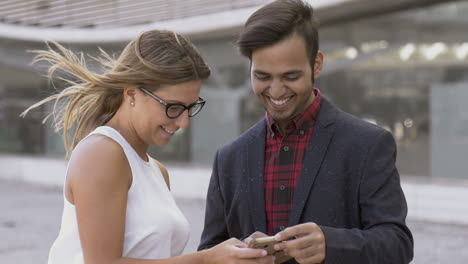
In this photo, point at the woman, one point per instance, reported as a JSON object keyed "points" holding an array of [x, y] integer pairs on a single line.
{"points": [[117, 204]]}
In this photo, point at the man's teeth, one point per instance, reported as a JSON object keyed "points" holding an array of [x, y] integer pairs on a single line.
{"points": [[280, 102], [169, 131]]}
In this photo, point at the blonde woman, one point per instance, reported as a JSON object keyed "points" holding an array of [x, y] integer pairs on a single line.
{"points": [[117, 205]]}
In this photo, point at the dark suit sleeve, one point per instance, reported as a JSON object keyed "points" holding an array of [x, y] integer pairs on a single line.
{"points": [[215, 230], [383, 236]]}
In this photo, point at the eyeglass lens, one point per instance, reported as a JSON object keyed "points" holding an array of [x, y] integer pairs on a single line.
{"points": [[174, 111]]}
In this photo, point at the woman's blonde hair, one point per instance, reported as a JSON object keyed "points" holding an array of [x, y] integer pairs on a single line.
{"points": [[154, 58]]}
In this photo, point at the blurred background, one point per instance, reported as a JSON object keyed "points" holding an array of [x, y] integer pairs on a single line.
{"points": [[402, 64]]}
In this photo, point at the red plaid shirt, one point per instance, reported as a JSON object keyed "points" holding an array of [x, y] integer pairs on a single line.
{"points": [[283, 162]]}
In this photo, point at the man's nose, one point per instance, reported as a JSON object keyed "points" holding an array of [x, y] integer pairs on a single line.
{"points": [[277, 89]]}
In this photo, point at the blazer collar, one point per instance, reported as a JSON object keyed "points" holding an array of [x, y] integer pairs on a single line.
{"points": [[323, 133], [254, 159]]}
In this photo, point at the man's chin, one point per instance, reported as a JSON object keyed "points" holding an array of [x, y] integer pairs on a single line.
{"points": [[280, 117]]}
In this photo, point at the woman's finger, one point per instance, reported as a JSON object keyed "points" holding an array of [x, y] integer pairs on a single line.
{"points": [[251, 253]]}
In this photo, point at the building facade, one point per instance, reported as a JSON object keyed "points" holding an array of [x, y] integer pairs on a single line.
{"points": [[405, 69]]}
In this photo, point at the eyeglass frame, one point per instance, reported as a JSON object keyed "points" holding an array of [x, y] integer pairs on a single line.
{"points": [[168, 105]]}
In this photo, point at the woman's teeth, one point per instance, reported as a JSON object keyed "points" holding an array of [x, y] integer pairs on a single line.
{"points": [[169, 131]]}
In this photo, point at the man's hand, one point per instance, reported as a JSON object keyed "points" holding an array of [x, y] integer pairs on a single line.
{"points": [[308, 247], [280, 256]]}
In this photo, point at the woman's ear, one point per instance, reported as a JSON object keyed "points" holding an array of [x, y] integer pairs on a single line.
{"points": [[129, 95]]}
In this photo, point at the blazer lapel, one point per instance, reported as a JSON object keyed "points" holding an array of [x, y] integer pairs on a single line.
{"points": [[254, 158], [313, 158]]}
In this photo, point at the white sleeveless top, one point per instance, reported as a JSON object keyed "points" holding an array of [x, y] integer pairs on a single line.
{"points": [[155, 228]]}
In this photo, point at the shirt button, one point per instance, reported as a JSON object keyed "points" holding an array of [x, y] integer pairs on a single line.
{"points": [[302, 132], [282, 187], [281, 228], [286, 148]]}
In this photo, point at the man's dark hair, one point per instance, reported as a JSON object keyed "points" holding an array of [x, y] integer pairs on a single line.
{"points": [[277, 21]]}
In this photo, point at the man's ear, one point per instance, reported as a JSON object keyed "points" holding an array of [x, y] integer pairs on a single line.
{"points": [[318, 65]]}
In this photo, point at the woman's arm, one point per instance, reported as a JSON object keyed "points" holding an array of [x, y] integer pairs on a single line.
{"points": [[98, 180]]}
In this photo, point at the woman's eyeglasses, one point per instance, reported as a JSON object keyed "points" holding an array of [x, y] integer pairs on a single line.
{"points": [[175, 110]]}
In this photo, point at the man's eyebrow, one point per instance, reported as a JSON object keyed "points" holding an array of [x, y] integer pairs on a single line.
{"points": [[285, 73], [293, 72], [260, 72]]}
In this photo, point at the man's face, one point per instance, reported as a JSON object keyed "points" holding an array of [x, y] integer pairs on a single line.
{"points": [[281, 78]]}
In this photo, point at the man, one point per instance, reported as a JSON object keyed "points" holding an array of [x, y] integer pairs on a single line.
{"points": [[324, 182]]}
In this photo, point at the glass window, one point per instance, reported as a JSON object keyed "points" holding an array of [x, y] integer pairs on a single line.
{"points": [[392, 70], [20, 135], [407, 72]]}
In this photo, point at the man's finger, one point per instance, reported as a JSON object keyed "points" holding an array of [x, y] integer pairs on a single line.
{"points": [[296, 231], [305, 252], [300, 243], [311, 240]]}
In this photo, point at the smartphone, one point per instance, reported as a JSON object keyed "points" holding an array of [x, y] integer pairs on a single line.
{"points": [[266, 243]]}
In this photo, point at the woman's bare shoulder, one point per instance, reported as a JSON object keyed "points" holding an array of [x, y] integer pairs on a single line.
{"points": [[98, 159]]}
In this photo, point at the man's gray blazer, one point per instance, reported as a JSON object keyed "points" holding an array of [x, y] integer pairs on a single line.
{"points": [[349, 186]]}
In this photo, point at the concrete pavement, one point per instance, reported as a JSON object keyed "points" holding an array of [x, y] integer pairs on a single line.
{"points": [[30, 218], [429, 199]]}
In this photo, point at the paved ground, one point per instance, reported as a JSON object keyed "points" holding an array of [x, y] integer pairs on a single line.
{"points": [[30, 217]]}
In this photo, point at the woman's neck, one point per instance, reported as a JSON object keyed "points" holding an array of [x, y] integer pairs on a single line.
{"points": [[129, 133]]}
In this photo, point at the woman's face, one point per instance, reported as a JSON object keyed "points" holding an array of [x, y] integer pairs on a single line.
{"points": [[149, 117]]}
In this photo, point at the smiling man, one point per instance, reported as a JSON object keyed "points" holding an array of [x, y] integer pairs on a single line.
{"points": [[321, 180], [282, 76]]}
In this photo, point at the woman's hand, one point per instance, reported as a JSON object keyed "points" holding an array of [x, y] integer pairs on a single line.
{"points": [[233, 251]]}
